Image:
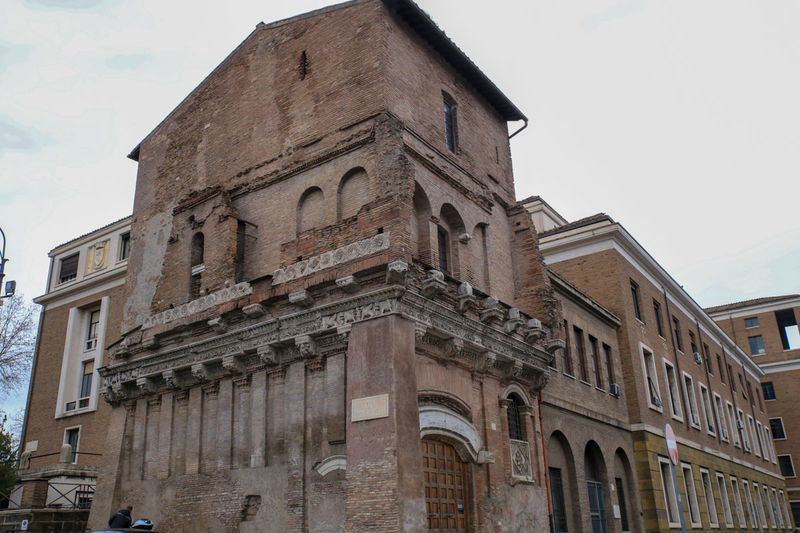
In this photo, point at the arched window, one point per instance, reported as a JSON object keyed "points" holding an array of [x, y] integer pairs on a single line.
{"points": [[353, 193], [420, 226], [196, 262], [451, 229], [516, 430], [310, 210]]}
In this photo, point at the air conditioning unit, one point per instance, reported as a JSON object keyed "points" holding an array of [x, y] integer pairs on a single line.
{"points": [[614, 389], [697, 358]]}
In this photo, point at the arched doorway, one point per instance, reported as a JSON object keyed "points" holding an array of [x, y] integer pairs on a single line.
{"points": [[446, 488], [594, 470]]}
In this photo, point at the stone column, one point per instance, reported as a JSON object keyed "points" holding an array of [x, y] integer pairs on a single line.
{"points": [[295, 445], [194, 430], [258, 413], [224, 423], [384, 454], [165, 435]]}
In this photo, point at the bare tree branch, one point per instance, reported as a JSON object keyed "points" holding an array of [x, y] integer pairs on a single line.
{"points": [[17, 343]]}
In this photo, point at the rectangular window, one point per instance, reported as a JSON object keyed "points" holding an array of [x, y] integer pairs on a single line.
{"points": [[768, 443], [751, 509], [759, 501], [742, 389], [444, 249], [667, 487], [124, 245], [751, 322], [721, 369], [723, 427], [609, 364], [795, 511], [708, 411], [776, 509], [768, 505], [706, 359], [72, 437], [737, 501], [672, 390], [708, 496], [688, 389], [722, 489], [651, 379], [623, 508], [787, 466], [595, 358], [692, 343], [776, 425], [637, 312], [579, 349], [730, 377], [760, 435], [91, 330], [732, 424], [86, 381], [450, 122], [756, 345], [567, 352], [750, 394], [691, 494], [68, 269], [676, 327], [751, 430], [557, 495], [742, 427], [241, 240], [659, 322], [769, 390]]}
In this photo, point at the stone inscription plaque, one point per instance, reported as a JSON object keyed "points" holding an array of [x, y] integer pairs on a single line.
{"points": [[370, 408]]}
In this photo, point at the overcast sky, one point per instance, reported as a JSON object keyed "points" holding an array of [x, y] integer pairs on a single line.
{"points": [[680, 119]]}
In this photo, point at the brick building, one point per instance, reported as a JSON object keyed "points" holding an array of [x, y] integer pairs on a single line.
{"points": [[678, 367], [766, 329], [337, 318], [64, 432]]}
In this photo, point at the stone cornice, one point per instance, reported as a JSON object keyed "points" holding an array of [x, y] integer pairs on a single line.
{"points": [[322, 330]]}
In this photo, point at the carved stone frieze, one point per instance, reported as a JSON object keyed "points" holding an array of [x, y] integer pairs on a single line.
{"points": [[218, 324], [356, 250], [321, 331], [201, 304], [145, 385]]}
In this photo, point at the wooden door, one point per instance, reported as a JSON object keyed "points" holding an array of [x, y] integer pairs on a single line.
{"points": [[446, 488]]}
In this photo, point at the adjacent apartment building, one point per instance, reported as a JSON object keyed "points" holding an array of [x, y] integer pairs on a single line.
{"points": [[678, 367], [65, 419], [766, 329]]}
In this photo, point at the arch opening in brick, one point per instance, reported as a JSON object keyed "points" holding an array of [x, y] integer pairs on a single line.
{"points": [[421, 226], [310, 210], [596, 478], [480, 258], [562, 479], [623, 488], [451, 236], [353, 193], [196, 263]]}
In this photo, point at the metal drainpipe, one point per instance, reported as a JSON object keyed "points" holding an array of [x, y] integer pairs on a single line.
{"points": [[519, 130], [546, 471], [675, 355], [708, 378]]}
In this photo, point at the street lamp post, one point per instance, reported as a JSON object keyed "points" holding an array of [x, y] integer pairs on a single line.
{"points": [[11, 285]]}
